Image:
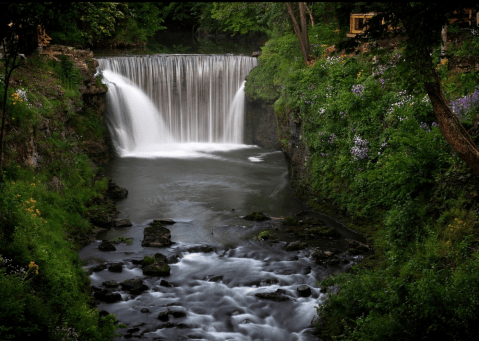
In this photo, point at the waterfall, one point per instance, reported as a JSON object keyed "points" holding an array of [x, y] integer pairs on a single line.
{"points": [[163, 99]]}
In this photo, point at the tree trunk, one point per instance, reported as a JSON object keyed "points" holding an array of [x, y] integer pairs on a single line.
{"points": [[302, 36], [450, 126]]}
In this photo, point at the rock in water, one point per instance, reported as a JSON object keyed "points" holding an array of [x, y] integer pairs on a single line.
{"points": [[164, 221], [156, 235], [134, 285], [156, 266], [304, 290], [277, 296], [106, 246], [116, 192], [123, 222]]}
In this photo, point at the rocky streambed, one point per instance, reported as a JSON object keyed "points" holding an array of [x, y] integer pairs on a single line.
{"points": [[210, 269]]}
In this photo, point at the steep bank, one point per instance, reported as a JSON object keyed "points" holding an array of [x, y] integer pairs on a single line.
{"points": [[52, 196], [358, 143]]}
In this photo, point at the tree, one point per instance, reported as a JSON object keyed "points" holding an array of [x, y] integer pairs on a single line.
{"points": [[301, 32], [420, 25]]}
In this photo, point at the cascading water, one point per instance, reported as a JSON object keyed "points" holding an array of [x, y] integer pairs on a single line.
{"points": [[162, 110], [164, 99]]}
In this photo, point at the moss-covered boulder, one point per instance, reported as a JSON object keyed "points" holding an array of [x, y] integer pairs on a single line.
{"points": [[256, 216], [156, 265], [156, 235]]}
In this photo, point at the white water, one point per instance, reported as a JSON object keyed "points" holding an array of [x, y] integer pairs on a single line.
{"points": [[176, 105]]}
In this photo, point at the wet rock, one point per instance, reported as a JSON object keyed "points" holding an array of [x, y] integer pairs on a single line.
{"points": [[156, 265], [256, 216], [167, 325], [334, 261], [163, 316], [122, 222], [156, 235], [201, 248], [319, 256], [277, 296], [256, 54], [357, 248], [134, 285], [115, 267], [116, 192], [213, 278], [145, 310], [173, 259], [178, 313], [165, 221], [111, 284], [107, 296], [312, 222], [165, 283], [304, 290], [182, 326], [99, 267], [295, 246], [133, 330], [323, 231], [106, 246], [103, 313]]}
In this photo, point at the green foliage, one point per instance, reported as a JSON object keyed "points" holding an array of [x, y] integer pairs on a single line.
{"points": [[44, 292]]}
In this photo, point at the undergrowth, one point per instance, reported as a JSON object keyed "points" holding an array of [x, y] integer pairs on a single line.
{"points": [[45, 206], [378, 156]]}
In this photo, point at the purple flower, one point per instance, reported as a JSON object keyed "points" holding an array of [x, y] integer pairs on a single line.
{"points": [[360, 149], [357, 89], [464, 104]]}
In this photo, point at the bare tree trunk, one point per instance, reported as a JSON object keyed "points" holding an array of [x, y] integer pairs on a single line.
{"points": [[455, 134], [310, 14], [302, 35]]}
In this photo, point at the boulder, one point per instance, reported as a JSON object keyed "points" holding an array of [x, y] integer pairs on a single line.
{"points": [[145, 310], [277, 296], [116, 192], [357, 248], [122, 222], [165, 283], [256, 216], [106, 246], [156, 265], [164, 221], [304, 290], [115, 267], [107, 296], [134, 285], [201, 248], [156, 235], [295, 246], [99, 267], [111, 284]]}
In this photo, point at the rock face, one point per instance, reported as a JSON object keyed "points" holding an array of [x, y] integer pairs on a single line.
{"points": [[260, 125], [156, 265], [156, 235]]}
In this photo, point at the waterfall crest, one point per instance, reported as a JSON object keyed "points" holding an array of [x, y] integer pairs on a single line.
{"points": [[186, 98]]}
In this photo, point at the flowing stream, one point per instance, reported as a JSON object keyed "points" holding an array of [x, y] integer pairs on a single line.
{"points": [[177, 125]]}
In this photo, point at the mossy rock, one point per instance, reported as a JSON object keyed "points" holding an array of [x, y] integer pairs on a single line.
{"points": [[256, 216], [323, 231], [313, 222], [156, 265], [295, 246], [319, 256], [290, 221]]}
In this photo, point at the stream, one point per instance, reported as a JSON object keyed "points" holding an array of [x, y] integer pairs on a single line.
{"points": [[176, 125]]}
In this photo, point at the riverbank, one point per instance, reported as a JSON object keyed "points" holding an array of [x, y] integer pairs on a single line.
{"points": [[53, 194], [359, 145]]}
